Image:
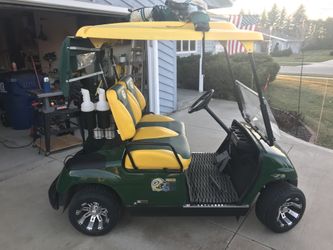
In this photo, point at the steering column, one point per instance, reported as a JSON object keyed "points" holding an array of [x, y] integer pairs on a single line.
{"points": [[202, 103]]}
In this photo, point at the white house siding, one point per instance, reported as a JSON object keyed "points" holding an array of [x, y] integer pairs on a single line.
{"points": [[168, 76]]}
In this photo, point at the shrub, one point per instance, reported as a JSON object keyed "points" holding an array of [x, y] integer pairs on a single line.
{"points": [[188, 72], [282, 53], [217, 75]]}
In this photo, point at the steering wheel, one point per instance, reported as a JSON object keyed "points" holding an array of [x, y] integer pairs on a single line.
{"points": [[202, 102]]}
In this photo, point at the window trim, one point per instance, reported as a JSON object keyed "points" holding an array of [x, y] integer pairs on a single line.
{"points": [[189, 51]]}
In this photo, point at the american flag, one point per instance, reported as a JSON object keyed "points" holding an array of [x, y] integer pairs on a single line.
{"points": [[244, 22]]}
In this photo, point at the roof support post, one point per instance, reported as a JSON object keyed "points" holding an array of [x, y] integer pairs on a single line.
{"points": [[153, 77], [201, 77], [263, 107], [201, 64]]}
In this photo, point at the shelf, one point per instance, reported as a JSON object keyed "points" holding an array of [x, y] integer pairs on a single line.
{"points": [[83, 48], [85, 76]]}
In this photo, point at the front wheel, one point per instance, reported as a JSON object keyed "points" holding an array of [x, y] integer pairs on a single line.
{"points": [[94, 211], [280, 206]]}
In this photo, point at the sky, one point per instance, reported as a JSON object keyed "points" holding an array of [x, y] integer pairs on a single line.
{"points": [[316, 9]]}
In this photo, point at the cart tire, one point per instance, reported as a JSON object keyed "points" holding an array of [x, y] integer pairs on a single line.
{"points": [[280, 206], [94, 211]]}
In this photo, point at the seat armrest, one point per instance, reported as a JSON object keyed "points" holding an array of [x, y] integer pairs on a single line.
{"points": [[163, 144]]}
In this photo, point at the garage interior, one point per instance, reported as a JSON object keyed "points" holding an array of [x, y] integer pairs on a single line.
{"points": [[30, 49]]}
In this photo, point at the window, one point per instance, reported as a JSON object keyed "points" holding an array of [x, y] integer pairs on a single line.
{"points": [[192, 46], [186, 46]]}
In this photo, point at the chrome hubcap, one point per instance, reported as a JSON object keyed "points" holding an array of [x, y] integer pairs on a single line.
{"points": [[289, 212], [91, 213]]}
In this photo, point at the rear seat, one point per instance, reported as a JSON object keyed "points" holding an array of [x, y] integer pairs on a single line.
{"points": [[150, 147], [138, 105]]}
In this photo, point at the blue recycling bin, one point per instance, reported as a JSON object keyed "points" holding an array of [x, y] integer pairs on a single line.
{"points": [[18, 102]]}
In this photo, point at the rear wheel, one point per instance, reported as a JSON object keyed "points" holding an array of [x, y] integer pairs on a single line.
{"points": [[280, 206], [94, 211]]}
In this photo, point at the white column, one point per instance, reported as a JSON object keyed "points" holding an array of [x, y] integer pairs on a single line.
{"points": [[153, 77], [201, 78], [150, 76], [156, 78]]}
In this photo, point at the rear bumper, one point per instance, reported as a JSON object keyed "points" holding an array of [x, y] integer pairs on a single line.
{"points": [[53, 195]]}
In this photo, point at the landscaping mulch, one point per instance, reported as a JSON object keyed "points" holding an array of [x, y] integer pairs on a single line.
{"points": [[291, 123]]}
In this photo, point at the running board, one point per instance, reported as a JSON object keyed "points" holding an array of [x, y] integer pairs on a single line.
{"points": [[215, 206], [192, 210]]}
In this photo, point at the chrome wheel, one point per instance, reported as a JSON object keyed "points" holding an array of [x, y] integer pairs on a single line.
{"points": [[280, 206], [289, 212], [92, 216], [94, 211]]}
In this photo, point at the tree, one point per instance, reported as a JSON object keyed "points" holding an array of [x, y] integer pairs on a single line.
{"points": [[282, 21], [299, 21], [329, 30], [273, 17], [288, 27], [263, 21]]}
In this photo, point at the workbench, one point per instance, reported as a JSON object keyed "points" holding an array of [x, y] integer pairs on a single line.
{"points": [[53, 139]]}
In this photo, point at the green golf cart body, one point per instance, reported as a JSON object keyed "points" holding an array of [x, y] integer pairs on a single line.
{"points": [[108, 175]]}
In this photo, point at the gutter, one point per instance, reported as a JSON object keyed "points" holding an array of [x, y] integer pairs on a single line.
{"points": [[69, 5]]}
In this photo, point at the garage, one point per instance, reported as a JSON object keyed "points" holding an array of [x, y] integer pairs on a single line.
{"points": [[32, 33]]}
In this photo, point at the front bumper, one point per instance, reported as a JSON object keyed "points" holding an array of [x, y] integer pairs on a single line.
{"points": [[53, 195]]}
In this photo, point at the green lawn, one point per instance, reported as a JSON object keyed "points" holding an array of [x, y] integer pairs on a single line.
{"points": [[283, 94], [309, 57]]}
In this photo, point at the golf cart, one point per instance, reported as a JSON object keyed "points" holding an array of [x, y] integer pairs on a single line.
{"points": [[148, 166]]}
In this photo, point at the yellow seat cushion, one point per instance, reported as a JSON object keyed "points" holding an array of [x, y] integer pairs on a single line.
{"points": [[153, 133], [155, 159], [151, 150], [156, 118]]}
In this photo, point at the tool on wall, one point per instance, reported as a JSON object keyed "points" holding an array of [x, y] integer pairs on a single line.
{"points": [[50, 58], [103, 78], [137, 62], [114, 66], [35, 71]]}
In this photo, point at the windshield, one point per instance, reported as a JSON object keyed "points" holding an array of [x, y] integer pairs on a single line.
{"points": [[250, 107]]}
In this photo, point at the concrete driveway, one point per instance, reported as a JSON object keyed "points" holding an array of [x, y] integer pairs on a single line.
{"points": [[314, 69], [28, 221]]}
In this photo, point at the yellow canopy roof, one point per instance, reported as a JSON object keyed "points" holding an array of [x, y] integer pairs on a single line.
{"points": [[219, 31]]}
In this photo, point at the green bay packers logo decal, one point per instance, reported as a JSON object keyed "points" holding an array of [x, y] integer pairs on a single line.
{"points": [[131, 84], [123, 93], [163, 185]]}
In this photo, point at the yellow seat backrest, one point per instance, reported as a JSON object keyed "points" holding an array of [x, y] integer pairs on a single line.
{"points": [[122, 112], [129, 84], [133, 101]]}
